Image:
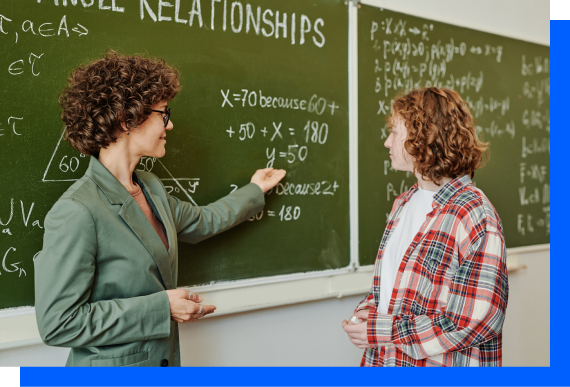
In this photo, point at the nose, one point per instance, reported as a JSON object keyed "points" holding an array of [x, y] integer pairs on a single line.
{"points": [[170, 125], [388, 142]]}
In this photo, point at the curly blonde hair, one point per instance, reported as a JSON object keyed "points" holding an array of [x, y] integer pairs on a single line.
{"points": [[105, 93], [442, 138]]}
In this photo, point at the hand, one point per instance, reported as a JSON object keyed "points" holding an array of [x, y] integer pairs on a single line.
{"points": [[357, 333], [185, 309], [267, 178]]}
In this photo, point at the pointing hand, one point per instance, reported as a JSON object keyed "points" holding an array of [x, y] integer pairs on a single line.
{"points": [[267, 178]]}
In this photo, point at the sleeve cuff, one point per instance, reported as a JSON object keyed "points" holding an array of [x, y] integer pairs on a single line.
{"points": [[159, 314], [254, 196], [379, 328]]}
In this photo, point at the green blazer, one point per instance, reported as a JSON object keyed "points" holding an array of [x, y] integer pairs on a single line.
{"points": [[101, 277]]}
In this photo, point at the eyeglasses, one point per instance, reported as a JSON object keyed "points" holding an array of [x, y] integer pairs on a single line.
{"points": [[166, 116]]}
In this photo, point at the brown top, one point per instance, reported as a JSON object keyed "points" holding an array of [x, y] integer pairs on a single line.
{"points": [[138, 195]]}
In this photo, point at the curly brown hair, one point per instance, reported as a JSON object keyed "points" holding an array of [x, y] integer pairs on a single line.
{"points": [[105, 93], [442, 137]]}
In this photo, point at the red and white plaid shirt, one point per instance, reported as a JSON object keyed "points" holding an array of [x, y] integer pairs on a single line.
{"points": [[450, 294]]}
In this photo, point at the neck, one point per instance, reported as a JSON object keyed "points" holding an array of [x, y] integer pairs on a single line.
{"points": [[429, 185], [120, 161]]}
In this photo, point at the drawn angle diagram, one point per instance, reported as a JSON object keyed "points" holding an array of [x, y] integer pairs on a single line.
{"points": [[67, 164]]}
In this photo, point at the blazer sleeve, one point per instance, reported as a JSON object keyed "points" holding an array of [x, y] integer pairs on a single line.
{"points": [[64, 274], [194, 224]]}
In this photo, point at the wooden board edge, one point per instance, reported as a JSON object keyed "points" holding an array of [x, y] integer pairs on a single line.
{"points": [[464, 22]]}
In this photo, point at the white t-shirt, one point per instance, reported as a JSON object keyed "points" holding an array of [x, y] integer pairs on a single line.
{"points": [[411, 219]]}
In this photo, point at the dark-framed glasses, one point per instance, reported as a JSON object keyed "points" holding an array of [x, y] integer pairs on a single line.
{"points": [[166, 116]]}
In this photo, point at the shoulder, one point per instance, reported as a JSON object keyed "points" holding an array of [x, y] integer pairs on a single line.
{"points": [[475, 212], [79, 194], [473, 202], [72, 208], [83, 197]]}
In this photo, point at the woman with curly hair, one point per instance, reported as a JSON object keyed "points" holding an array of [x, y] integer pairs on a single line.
{"points": [[439, 291], [105, 281]]}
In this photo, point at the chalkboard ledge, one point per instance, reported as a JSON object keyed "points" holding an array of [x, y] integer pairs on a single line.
{"points": [[242, 298], [18, 327], [18, 330]]}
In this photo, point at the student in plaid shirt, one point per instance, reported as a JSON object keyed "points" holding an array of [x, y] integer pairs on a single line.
{"points": [[440, 288]]}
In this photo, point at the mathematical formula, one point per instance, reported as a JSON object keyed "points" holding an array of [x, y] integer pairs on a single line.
{"points": [[253, 98], [406, 56]]}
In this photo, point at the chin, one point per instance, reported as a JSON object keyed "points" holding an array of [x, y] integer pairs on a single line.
{"points": [[159, 154], [396, 167], [401, 168]]}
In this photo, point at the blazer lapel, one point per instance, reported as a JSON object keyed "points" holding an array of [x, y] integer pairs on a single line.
{"points": [[134, 217], [138, 222]]}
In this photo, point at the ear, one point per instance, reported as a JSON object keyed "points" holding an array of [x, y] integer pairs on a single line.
{"points": [[124, 130]]}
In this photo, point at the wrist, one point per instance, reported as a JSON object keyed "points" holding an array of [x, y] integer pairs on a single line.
{"points": [[261, 187]]}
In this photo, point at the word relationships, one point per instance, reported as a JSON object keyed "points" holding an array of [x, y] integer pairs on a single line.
{"points": [[235, 16]]}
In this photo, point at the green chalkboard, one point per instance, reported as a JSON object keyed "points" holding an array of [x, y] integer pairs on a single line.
{"points": [[247, 68], [507, 84]]}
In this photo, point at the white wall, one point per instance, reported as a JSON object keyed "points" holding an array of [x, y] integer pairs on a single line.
{"points": [[34, 356], [526, 333], [310, 334]]}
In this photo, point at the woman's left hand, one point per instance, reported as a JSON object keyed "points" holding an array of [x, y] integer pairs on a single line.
{"points": [[267, 178], [185, 307], [357, 333]]}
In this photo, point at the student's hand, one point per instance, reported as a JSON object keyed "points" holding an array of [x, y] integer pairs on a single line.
{"points": [[362, 315], [357, 333], [267, 178], [185, 307]]}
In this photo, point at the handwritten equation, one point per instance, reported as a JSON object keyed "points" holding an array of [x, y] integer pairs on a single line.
{"points": [[406, 53]]}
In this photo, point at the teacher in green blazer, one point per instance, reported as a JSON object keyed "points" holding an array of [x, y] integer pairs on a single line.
{"points": [[105, 281]]}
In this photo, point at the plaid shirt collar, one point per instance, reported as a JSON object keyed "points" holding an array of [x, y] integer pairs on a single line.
{"points": [[444, 194]]}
